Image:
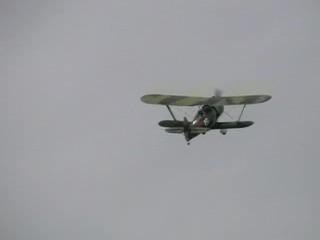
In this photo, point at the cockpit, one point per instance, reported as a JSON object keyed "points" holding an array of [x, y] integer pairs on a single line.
{"points": [[205, 117]]}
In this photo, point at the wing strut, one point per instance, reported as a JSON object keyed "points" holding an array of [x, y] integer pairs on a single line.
{"points": [[170, 111], [242, 112]]}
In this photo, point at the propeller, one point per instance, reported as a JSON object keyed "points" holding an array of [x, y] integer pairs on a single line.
{"points": [[218, 94], [215, 98]]}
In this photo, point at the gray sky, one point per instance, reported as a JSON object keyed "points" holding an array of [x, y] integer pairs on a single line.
{"points": [[83, 158]]}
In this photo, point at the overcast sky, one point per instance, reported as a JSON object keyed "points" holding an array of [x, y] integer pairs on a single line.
{"points": [[83, 158]]}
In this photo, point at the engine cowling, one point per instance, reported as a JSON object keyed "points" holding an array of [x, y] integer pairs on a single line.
{"points": [[206, 108]]}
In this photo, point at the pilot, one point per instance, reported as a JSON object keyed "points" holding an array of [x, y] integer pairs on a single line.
{"points": [[206, 122]]}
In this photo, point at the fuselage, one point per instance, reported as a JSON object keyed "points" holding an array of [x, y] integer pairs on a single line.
{"points": [[206, 117]]}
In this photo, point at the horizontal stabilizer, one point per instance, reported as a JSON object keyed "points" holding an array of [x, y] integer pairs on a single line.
{"points": [[198, 130], [228, 125], [194, 130], [174, 130]]}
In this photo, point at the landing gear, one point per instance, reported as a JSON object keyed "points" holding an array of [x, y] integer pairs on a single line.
{"points": [[188, 143], [223, 131]]}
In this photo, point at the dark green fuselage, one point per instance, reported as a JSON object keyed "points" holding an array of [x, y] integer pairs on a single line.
{"points": [[206, 117]]}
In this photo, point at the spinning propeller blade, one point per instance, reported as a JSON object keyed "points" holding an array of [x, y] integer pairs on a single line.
{"points": [[217, 92]]}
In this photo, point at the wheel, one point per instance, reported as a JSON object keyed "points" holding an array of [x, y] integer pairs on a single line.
{"points": [[223, 131]]}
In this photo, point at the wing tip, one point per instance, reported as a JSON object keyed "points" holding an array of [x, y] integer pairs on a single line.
{"points": [[248, 123], [146, 98], [263, 98], [267, 97], [143, 98]]}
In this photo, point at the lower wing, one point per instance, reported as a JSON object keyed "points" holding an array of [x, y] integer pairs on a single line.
{"points": [[229, 125], [178, 126]]}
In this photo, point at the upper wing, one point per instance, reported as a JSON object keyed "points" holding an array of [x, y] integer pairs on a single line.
{"points": [[173, 100], [194, 101], [240, 100]]}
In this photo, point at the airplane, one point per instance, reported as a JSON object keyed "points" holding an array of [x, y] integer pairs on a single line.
{"points": [[206, 118]]}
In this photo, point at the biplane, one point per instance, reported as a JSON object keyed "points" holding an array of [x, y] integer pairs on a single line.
{"points": [[206, 118]]}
